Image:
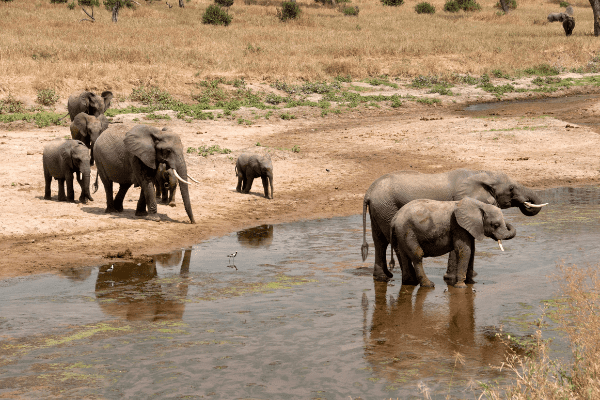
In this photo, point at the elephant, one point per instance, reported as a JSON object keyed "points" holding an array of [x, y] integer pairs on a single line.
{"points": [[62, 158], [166, 184], [87, 128], [250, 166], [569, 25], [431, 228], [131, 156], [88, 103], [557, 17], [392, 191]]}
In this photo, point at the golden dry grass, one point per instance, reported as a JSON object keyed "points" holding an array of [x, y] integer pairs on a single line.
{"points": [[44, 45]]}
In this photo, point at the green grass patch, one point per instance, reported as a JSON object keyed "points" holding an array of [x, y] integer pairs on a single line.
{"points": [[41, 119], [206, 151]]}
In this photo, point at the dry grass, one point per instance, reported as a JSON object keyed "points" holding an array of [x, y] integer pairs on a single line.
{"points": [[545, 378], [43, 46]]}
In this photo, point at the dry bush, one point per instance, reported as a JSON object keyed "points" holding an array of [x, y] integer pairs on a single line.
{"points": [[542, 377], [172, 49]]}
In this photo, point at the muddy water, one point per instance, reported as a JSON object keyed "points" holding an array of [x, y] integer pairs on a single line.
{"points": [[298, 316]]}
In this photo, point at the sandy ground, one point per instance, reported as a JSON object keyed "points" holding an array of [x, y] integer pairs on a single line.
{"points": [[340, 156]]}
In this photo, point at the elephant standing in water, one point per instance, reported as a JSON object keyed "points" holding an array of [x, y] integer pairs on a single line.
{"points": [[89, 103], [88, 128], [131, 157], [62, 158], [392, 191], [248, 167], [430, 228]]}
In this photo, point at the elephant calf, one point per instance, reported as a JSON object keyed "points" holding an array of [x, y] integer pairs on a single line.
{"points": [[430, 228], [62, 158], [166, 184], [248, 167], [88, 128]]}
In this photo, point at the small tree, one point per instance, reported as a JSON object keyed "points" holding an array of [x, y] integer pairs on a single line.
{"points": [[424, 8], [116, 5], [224, 3], [215, 15], [289, 10]]}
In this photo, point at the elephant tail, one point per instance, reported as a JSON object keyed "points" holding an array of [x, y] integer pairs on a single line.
{"points": [[236, 171], [96, 183], [364, 249], [392, 262]]}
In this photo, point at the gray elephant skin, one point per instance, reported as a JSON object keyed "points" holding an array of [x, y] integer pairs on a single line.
{"points": [[131, 156], [87, 129], [392, 191], [61, 159], [89, 103], [250, 166], [431, 228], [166, 185]]}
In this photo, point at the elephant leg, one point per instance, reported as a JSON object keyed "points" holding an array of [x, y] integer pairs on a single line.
{"points": [[61, 190], [409, 277], [147, 199], [118, 203], [450, 276], [415, 253], [171, 199], [70, 189], [470, 272], [140, 211], [465, 251], [248, 184], [265, 182], [48, 180], [241, 181], [380, 243]]}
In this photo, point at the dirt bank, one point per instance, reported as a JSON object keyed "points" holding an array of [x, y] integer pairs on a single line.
{"points": [[339, 156]]}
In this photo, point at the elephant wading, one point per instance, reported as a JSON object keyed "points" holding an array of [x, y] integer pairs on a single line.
{"points": [[89, 103], [62, 158], [392, 191], [88, 128], [166, 184], [132, 158], [248, 167], [430, 228]]}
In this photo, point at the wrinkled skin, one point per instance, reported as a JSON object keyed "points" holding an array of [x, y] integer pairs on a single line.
{"points": [[89, 103], [248, 167], [430, 228], [131, 156], [87, 129], [166, 184], [61, 159], [392, 191]]}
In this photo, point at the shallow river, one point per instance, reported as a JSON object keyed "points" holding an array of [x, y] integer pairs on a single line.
{"points": [[298, 317]]}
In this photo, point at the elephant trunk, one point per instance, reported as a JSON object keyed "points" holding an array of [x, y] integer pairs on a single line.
{"points": [[181, 169], [507, 234], [84, 182], [527, 196], [271, 184]]}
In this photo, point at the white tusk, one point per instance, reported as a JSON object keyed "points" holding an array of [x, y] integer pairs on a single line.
{"points": [[189, 177], [500, 244], [180, 178], [528, 204]]}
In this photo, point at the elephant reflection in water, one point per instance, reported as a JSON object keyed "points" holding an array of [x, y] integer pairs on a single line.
{"points": [[256, 237], [407, 335], [133, 292]]}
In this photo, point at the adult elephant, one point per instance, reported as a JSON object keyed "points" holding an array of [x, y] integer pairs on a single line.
{"points": [[88, 128], [131, 157], [89, 103], [392, 191]]}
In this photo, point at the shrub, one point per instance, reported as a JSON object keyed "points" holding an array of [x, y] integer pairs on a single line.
{"points": [[394, 3], [289, 10], [58, 1], [224, 3], [215, 15], [466, 5], [542, 69], [512, 5], [71, 6], [349, 10], [451, 6], [47, 97], [424, 8], [563, 4]]}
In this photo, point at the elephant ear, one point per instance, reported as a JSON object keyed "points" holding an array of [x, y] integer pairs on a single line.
{"points": [[107, 96], [479, 186], [65, 153], [469, 215], [140, 141], [79, 126]]}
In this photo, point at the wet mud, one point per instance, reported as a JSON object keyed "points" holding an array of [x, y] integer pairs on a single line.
{"points": [[298, 317]]}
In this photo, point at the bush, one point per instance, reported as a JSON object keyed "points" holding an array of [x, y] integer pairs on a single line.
{"points": [[451, 6], [58, 1], [215, 15], [224, 3], [512, 5], [394, 3], [466, 5], [47, 97], [424, 8], [562, 4], [71, 6], [289, 10], [349, 10]]}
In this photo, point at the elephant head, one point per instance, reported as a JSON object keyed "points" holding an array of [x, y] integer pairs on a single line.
{"points": [[153, 147], [88, 128], [481, 219], [498, 189], [76, 156], [89, 103]]}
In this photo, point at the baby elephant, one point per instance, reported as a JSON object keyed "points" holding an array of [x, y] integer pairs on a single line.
{"points": [[62, 158], [429, 228], [166, 183], [88, 128], [252, 166]]}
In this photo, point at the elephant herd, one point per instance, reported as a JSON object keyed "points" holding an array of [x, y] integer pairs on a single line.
{"points": [[419, 215]]}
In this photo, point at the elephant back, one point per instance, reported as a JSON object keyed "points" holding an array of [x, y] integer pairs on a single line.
{"points": [[111, 155]]}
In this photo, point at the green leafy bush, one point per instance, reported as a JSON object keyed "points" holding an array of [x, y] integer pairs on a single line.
{"points": [[349, 10], [563, 4], [289, 10], [47, 97], [71, 6], [215, 15], [11, 105], [466, 5], [451, 6], [224, 3], [512, 5], [394, 3], [542, 69], [424, 8]]}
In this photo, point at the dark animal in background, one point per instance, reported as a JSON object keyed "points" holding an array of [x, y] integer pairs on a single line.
{"points": [[250, 166], [62, 158], [566, 18], [89, 103], [87, 129], [166, 184], [569, 25]]}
